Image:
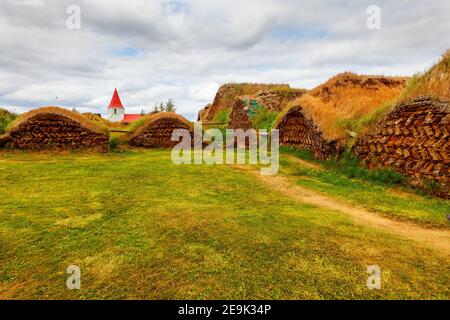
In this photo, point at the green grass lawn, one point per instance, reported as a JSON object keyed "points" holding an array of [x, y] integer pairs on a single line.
{"points": [[141, 227]]}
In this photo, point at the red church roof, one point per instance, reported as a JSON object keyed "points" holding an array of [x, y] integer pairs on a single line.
{"points": [[115, 101], [131, 117]]}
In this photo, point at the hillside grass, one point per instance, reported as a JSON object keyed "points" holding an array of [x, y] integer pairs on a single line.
{"points": [[381, 190], [434, 83], [264, 119], [223, 116], [349, 102], [364, 124], [286, 91], [141, 227]]}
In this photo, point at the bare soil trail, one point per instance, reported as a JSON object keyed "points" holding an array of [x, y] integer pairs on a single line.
{"points": [[434, 238]]}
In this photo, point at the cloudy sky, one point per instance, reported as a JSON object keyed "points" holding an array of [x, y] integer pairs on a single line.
{"points": [[152, 50]]}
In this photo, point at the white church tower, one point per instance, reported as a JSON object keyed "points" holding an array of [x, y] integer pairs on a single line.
{"points": [[116, 111]]}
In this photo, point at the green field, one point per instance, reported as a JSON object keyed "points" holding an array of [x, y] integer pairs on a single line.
{"points": [[141, 227]]}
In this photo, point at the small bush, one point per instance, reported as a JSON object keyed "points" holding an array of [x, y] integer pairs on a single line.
{"points": [[6, 118], [113, 143]]}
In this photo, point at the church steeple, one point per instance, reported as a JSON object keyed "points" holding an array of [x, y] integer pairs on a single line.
{"points": [[116, 111], [115, 101]]}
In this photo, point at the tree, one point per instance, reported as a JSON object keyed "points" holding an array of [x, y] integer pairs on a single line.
{"points": [[142, 112], [170, 106], [161, 107], [155, 108]]}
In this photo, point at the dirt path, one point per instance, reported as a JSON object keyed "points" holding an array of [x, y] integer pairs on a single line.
{"points": [[434, 238]]}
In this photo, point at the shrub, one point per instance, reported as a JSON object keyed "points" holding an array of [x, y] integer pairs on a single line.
{"points": [[113, 143], [6, 118]]}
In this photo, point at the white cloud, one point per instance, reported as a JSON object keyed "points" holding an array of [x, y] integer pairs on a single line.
{"points": [[155, 50]]}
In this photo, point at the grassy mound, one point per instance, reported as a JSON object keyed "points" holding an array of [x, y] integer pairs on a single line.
{"points": [[348, 102], [227, 94], [155, 131], [54, 128], [412, 137], [84, 121], [140, 125]]}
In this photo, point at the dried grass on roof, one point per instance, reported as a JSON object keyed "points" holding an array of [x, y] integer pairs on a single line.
{"points": [[84, 121], [435, 83], [347, 97], [102, 121], [155, 131], [148, 120], [53, 128]]}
